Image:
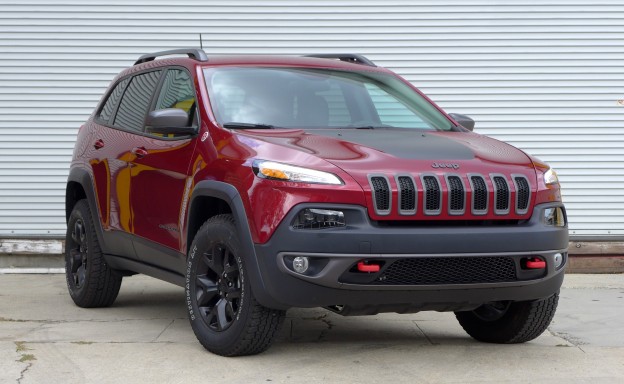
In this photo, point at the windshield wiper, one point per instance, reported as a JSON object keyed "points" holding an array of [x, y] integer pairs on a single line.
{"points": [[236, 125], [365, 125]]}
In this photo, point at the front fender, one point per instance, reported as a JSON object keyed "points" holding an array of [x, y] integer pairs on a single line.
{"points": [[230, 195]]}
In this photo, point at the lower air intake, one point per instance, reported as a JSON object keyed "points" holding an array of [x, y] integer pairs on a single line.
{"points": [[449, 270]]}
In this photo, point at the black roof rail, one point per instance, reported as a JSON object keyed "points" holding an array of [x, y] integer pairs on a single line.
{"points": [[193, 53], [348, 57]]}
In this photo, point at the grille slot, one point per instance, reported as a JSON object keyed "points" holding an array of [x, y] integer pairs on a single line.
{"points": [[449, 270], [432, 195], [502, 195], [479, 195], [457, 195], [407, 195], [523, 194], [381, 194]]}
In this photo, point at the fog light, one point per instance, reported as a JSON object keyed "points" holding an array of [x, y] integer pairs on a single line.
{"points": [[300, 264], [554, 217], [312, 218], [558, 260]]}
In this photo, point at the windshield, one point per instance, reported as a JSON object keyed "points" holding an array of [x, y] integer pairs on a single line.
{"points": [[259, 97]]}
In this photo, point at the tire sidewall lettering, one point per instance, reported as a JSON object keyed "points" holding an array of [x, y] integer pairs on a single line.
{"points": [[189, 264]]}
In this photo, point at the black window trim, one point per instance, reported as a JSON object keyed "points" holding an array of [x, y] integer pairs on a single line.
{"points": [[134, 75], [163, 70], [100, 107], [154, 100]]}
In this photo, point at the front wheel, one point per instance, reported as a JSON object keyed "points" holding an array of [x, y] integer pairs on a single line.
{"points": [[509, 322], [224, 314]]}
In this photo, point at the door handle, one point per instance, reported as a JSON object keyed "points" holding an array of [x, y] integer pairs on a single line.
{"points": [[140, 152], [99, 143]]}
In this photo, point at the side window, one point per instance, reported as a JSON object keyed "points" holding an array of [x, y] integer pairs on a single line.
{"points": [[177, 92], [113, 99], [136, 101]]}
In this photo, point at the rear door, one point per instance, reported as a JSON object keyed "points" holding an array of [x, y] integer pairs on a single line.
{"points": [[116, 128]]}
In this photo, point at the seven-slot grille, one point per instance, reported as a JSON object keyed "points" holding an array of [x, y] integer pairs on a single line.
{"points": [[469, 194]]}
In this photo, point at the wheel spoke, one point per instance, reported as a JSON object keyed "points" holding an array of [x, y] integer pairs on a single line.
{"points": [[78, 232], [229, 310], [221, 314], [81, 275], [214, 260], [75, 260], [206, 290], [208, 313]]}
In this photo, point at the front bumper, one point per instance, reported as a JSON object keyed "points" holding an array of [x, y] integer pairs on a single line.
{"points": [[336, 251]]}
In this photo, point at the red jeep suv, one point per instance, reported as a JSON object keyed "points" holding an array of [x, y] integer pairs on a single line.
{"points": [[264, 183]]}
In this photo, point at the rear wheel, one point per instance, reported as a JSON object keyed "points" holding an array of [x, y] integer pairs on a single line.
{"points": [[90, 281], [509, 322], [223, 311]]}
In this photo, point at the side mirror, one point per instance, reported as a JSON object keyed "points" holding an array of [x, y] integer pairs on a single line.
{"points": [[463, 120], [169, 121]]}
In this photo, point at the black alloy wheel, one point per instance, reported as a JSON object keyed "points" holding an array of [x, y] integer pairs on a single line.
{"points": [[223, 311], [78, 249], [218, 287], [90, 280]]}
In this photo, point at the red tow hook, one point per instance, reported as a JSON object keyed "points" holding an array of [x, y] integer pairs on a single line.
{"points": [[362, 267], [535, 263]]}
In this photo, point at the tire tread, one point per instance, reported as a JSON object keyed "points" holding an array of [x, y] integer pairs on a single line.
{"points": [[524, 321]]}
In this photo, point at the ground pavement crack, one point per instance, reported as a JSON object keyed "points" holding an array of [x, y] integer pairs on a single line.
{"points": [[568, 338], [322, 318], [424, 334], [324, 332], [163, 331], [28, 358]]}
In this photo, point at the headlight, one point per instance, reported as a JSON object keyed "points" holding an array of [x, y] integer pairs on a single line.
{"points": [[550, 177], [285, 172]]}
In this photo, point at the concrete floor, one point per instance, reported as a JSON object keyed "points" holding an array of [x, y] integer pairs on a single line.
{"points": [[145, 337]]}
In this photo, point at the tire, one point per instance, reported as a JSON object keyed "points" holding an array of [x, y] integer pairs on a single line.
{"points": [[509, 322], [224, 314], [90, 281]]}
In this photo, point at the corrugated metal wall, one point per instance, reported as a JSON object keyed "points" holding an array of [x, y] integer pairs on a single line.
{"points": [[543, 75]]}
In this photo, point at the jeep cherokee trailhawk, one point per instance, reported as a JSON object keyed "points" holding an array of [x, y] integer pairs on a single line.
{"points": [[264, 183]]}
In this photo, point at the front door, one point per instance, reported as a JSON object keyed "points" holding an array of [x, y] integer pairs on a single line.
{"points": [[160, 184]]}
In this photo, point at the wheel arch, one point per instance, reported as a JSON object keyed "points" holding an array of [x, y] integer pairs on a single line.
{"points": [[211, 198], [80, 186]]}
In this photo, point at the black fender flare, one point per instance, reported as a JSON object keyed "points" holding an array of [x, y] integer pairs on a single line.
{"points": [[229, 194], [82, 177]]}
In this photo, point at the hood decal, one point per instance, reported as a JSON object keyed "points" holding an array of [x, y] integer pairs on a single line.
{"points": [[404, 144]]}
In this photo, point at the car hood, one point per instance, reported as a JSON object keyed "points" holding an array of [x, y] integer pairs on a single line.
{"points": [[368, 151]]}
